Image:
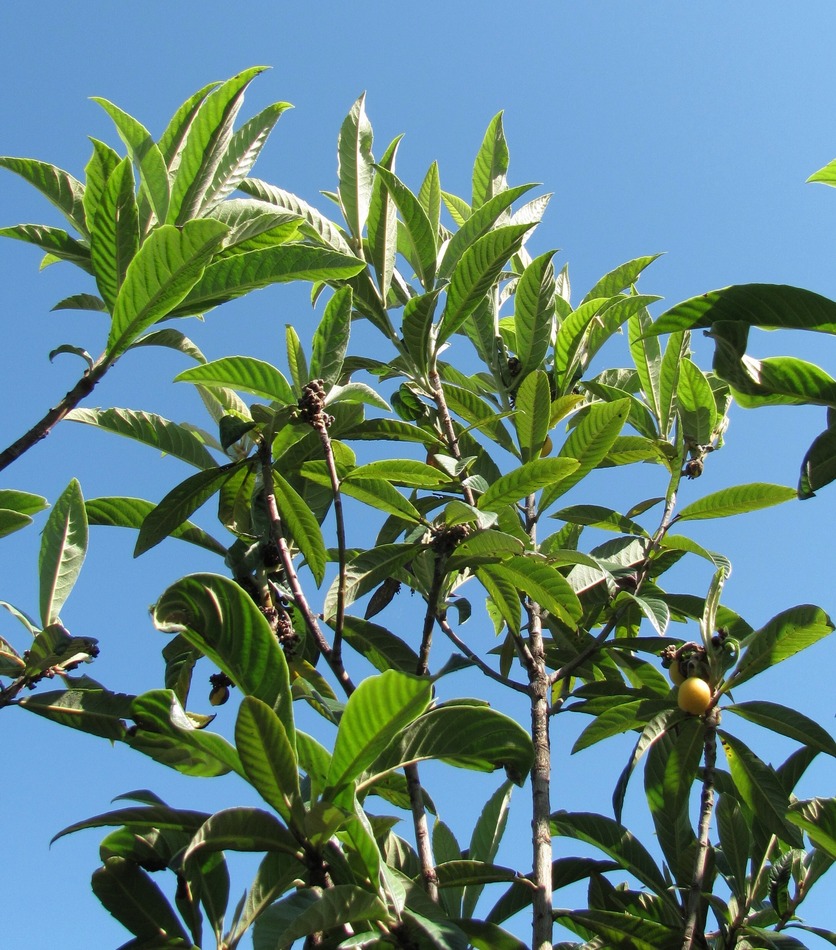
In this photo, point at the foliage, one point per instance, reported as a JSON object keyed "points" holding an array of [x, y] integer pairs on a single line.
{"points": [[439, 469]]}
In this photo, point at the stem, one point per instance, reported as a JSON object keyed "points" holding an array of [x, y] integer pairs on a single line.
{"points": [[41, 429], [335, 663], [422, 831], [474, 658], [693, 928], [447, 425], [339, 623], [430, 615]]}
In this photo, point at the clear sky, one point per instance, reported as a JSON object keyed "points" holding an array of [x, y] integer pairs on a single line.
{"points": [[688, 128]]}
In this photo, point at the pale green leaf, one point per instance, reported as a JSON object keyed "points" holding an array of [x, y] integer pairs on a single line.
{"points": [[62, 553], [60, 187], [355, 168], [243, 373], [736, 500], [330, 339], [491, 165]]}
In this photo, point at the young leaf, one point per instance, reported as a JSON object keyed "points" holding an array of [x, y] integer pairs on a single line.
{"points": [[218, 617], [54, 241], [422, 251], [301, 524], [330, 339], [735, 501], [534, 312], [695, 402], [166, 268], [63, 549], [491, 164], [355, 167], [532, 418], [114, 240]]}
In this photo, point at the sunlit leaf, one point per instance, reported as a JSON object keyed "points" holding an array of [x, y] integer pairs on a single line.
{"points": [[242, 373], [417, 228], [64, 191], [62, 553], [818, 467], [526, 480], [53, 241], [491, 163], [330, 339], [97, 712], [817, 816], [736, 500]]}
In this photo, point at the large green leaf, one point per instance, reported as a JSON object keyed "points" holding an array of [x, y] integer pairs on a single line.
{"points": [[301, 525], [379, 646], [64, 191], [616, 841], [695, 403], [759, 787], [532, 418], [330, 339], [131, 896], [242, 829], [156, 815], [62, 553], [166, 268], [736, 500], [355, 168], [180, 502], [525, 480], [485, 840], [369, 568], [786, 722], [759, 305], [268, 758], [818, 468], [383, 224], [375, 713], [11, 521], [543, 583], [619, 931], [419, 233], [122, 512], [22, 502], [589, 443], [165, 732], [479, 268], [735, 841], [146, 155], [243, 373], [313, 910], [785, 635], [221, 619], [467, 736], [150, 429], [620, 278], [238, 274], [97, 712]]}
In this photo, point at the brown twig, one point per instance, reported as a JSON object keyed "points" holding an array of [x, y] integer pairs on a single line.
{"points": [[321, 428], [448, 427], [474, 658]]}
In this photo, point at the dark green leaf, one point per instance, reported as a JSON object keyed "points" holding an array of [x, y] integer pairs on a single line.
{"points": [[619, 931], [97, 712], [52, 240], [786, 722], [379, 646], [817, 816], [818, 468], [301, 525]]}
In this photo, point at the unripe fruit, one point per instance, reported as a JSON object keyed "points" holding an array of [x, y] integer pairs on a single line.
{"points": [[694, 696], [548, 445], [219, 695]]}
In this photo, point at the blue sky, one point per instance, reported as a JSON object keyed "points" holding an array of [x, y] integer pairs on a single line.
{"points": [[687, 128]]}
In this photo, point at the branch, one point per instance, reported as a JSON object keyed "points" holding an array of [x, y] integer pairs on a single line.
{"points": [[693, 930], [422, 831], [41, 429], [335, 663], [321, 427], [474, 658], [447, 425]]}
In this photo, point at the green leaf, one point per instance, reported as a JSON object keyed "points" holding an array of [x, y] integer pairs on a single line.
{"points": [[242, 829], [11, 521], [783, 636], [238, 274], [221, 619], [205, 146], [243, 373], [379, 646], [616, 841], [97, 712], [620, 278], [314, 910], [369, 568], [759, 787], [596, 516], [544, 584], [775, 306], [122, 512], [63, 549], [322, 229], [146, 155], [534, 311], [103, 162], [407, 472], [491, 163], [589, 443], [383, 225], [419, 233], [524, 481], [380, 494], [355, 169], [180, 502], [484, 843], [23, 502], [165, 732], [302, 525], [477, 271], [150, 429], [818, 468], [786, 722], [619, 931], [735, 842], [695, 403], [467, 736], [532, 418], [129, 894], [82, 302], [157, 815], [166, 268], [647, 358], [52, 240], [677, 349], [735, 501], [330, 339], [172, 339], [817, 816], [64, 191], [376, 711], [268, 759], [114, 240]]}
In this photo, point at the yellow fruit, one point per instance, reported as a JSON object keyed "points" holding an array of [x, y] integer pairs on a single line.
{"points": [[676, 674], [548, 445], [694, 696]]}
